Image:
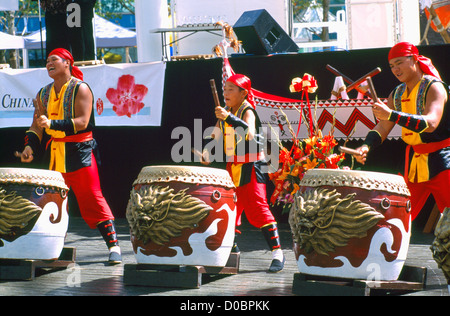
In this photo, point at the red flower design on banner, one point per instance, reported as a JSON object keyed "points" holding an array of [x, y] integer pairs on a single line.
{"points": [[127, 98]]}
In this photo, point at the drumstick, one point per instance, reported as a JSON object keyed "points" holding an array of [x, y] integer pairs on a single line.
{"points": [[212, 82], [338, 73], [39, 108], [346, 79], [363, 78], [372, 89], [349, 151], [196, 152]]}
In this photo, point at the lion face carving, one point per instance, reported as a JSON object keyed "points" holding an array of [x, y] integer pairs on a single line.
{"points": [[157, 214], [441, 245], [322, 220], [17, 216]]}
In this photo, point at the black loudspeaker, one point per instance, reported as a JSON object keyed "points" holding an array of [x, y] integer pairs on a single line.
{"points": [[260, 34]]}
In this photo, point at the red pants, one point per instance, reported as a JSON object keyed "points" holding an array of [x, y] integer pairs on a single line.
{"points": [[252, 198], [438, 186], [85, 184]]}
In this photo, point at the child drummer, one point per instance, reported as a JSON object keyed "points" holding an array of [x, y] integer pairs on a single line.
{"points": [[246, 168]]}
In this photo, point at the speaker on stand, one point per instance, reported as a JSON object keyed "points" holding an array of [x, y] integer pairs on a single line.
{"points": [[260, 34]]}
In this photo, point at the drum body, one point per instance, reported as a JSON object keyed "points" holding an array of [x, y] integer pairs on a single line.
{"points": [[33, 213], [351, 224], [182, 215]]}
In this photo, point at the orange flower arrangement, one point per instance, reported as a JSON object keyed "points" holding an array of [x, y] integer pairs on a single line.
{"points": [[317, 151]]}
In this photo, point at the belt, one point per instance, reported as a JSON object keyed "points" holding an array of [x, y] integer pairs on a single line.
{"points": [[431, 147], [421, 149], [78, 138]]}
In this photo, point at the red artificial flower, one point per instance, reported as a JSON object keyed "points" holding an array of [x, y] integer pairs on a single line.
{"points": [[127, 98], [332, 161]]}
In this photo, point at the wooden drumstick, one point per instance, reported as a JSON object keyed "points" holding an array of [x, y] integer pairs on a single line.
{"points": [[373, 93], [212, 82], [349, 151], [361, 80]]}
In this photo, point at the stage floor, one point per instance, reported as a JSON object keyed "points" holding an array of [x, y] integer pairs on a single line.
{"points": [[91, 275]]}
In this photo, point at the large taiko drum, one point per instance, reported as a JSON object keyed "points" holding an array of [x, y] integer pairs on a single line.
{"points": [[33, 213], [351, 224], [182, 215]]}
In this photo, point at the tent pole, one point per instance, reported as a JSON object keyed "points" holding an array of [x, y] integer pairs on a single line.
{"points": [[40, 27]]}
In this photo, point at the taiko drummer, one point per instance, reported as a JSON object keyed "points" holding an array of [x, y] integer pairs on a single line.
{"points": [[246, 168], [420, 106], [64, 115]]}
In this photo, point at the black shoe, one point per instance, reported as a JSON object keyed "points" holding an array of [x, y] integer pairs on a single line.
{"points": [[277, 265], [114, 258], [235, 248]]}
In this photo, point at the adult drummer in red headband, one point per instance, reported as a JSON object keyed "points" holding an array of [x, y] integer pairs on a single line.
{"points": [[239, 125], [420, 106], [64, 115]]}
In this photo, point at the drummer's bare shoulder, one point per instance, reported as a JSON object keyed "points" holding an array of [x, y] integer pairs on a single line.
{"points": [[434, 106]]}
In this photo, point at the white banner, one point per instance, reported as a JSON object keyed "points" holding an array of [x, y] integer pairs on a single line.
{"points": [[124, 94]]}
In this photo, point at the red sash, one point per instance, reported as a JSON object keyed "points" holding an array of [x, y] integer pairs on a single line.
{"points": [[77, 138], [427, 148], [248, 158]]}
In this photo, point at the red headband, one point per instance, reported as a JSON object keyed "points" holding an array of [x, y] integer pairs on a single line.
{"points": [[65, 54], [405, 49], [243, 82]]}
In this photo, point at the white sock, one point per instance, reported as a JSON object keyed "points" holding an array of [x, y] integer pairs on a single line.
{"points": [[277, 254], [115, 249]]}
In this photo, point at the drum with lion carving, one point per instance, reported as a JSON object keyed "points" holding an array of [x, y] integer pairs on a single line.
{"points": [[33, 213], [351, 224], [182, 215], [440, 247]]}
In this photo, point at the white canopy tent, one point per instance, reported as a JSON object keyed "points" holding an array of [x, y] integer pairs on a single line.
{"points": [[107, 34], [8, 41]]}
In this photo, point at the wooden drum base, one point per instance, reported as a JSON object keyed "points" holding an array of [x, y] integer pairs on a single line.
{"points": [[25, 269], [411, 279], [176, 276]]}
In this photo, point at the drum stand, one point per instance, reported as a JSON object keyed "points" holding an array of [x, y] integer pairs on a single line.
{"points": [[411, 279], [176, 276], [25, 269]]}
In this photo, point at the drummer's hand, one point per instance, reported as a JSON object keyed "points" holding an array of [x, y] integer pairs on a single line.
{"points": [[43, 121], [361, 158], [381, 111], [204, 160], [27, 155], [221, 113]]}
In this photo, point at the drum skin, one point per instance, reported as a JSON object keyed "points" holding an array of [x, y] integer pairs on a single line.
{"points": [[182, 216], [33, 213], [351, 224]]}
